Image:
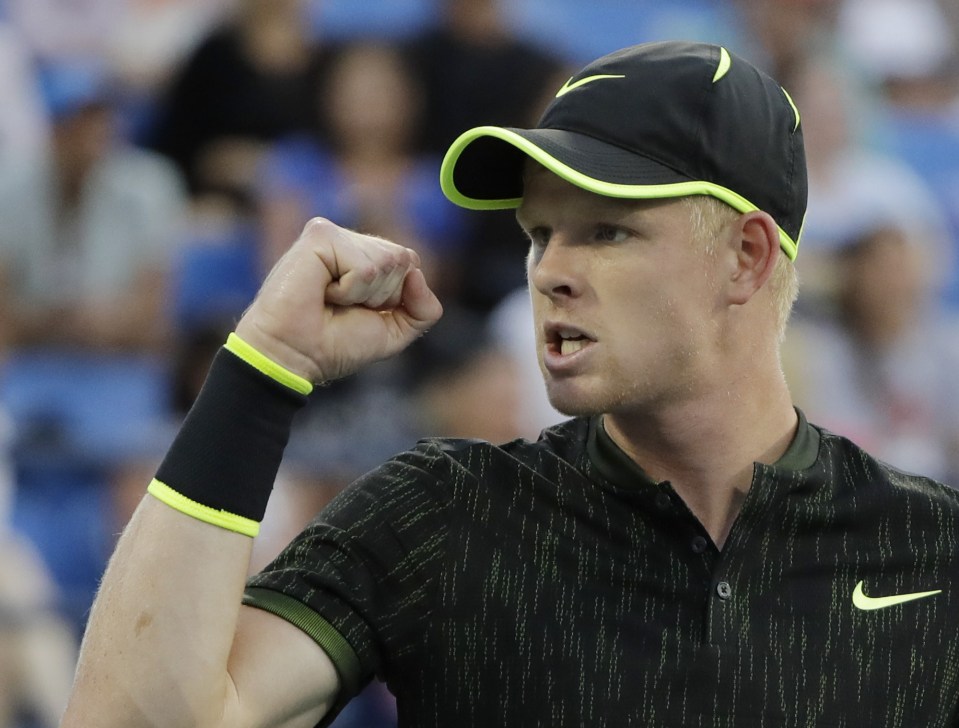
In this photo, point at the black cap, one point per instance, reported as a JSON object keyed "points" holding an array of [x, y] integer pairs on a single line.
{"points": [[655, 120]]}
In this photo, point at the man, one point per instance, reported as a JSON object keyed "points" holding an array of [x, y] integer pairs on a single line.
{"points": [[89, 232], [686, 551]]}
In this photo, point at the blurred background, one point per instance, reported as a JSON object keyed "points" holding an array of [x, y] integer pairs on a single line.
{"points": [[157, 156]]}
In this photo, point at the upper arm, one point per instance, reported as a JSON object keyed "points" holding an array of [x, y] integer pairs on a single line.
{"points": [[280, 676]]}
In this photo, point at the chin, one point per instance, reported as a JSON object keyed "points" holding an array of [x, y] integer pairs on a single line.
{"points": [[574, 404]]}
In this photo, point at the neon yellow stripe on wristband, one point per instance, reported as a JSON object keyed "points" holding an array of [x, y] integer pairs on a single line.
{"points": [[266, 365], [223, 519]]}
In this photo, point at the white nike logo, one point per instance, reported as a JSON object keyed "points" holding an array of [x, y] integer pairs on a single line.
{"points": [[861, 601], [570, 85]]}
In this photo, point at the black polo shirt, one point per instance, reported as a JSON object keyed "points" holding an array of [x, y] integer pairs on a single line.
{"points": [[552, 583]]}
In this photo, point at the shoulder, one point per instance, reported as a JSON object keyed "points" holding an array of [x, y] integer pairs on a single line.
{"points": [[446, 461], [129, 168], [423, 484], [564, 443], [857, 471]]}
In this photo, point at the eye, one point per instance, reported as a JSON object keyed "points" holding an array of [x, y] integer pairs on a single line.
{"points": [[538, 237], [611, 234]]}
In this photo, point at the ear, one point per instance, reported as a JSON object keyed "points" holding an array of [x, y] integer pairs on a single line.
{"points": [[753, 249]]}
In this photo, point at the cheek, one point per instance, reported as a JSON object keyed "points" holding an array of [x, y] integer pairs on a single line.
{"points": [[670, 331]]}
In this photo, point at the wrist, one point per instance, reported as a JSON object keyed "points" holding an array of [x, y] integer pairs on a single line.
{"points": [[221, 466], [277, 351], [267, 365]]}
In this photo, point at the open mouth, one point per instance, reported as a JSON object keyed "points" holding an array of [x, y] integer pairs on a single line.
{"points": [[571, 346], [566, 341]]}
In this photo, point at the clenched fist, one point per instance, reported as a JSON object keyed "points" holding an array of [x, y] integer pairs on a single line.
{"points": [[338, 300]]}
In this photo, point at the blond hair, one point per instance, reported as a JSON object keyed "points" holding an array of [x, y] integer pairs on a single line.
{"points": [[709, 217]]}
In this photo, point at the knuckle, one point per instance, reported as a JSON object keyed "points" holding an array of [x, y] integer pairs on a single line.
{"points": [[393, 260], [366, 273], [317, 226]]}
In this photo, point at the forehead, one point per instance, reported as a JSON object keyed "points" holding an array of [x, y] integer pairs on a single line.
{"points": [[544, 192]]}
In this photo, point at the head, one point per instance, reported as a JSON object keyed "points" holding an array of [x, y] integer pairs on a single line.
{"points": [[477, 22], [788, 31], [883, 283], [81, 102], [371, 100], [664, 192], [641, 304]]}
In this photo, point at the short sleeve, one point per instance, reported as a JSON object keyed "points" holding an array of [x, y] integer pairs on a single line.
{"points": [[360, 578]]}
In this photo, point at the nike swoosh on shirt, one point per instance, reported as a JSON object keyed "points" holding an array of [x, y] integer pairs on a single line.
{"points": [[570, 85], [862, 601]]}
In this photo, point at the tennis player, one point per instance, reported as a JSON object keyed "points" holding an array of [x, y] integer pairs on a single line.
{"points": [[687, 550]]}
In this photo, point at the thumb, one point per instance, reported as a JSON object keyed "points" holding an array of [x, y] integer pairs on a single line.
{"points": [[419, 307]]}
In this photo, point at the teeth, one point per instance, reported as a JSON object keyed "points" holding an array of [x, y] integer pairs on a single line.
{"points": [[571, 346]]}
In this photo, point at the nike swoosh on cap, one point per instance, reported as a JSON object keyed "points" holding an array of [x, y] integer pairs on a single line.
{"points": [[570, 84], [861, 601]]}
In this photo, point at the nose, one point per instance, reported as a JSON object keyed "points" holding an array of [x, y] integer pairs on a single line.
{"points": [[555, 271]]}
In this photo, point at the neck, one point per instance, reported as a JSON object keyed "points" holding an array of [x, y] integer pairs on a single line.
{"points": [[705, 446]]}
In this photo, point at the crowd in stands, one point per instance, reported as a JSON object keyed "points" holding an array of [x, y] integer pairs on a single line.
{"points": [[157, 156]]}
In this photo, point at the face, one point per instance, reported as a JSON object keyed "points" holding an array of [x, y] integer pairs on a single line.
{"points": [[372, 99], [884, 283], [625, 304]]}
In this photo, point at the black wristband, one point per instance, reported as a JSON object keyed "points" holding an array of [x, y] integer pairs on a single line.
{"points": [[228, 450]]}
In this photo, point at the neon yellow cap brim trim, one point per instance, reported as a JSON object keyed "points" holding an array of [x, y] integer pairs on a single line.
{"points": [[607, 189]]}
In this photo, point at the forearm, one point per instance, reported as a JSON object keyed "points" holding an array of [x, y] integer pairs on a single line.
{"points": [[160, 633], [162, 627]]}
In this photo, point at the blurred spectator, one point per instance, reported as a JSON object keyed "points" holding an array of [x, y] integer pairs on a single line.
{"points": [[87, 233], [781, 34], [850, 180], [367, 177], [911, 53], [250, 82], [153, 37], [149, 43], [881, 369], [37, 647], [476, 71]]}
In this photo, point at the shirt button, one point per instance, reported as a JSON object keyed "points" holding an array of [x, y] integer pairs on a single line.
{"points": [[699, 544], [662, 501], [723, 590]]}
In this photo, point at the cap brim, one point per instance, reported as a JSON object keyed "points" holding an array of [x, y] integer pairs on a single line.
{"points": [[483, 170]]}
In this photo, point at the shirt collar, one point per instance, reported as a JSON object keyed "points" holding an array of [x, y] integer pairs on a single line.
{"points": [[616, 466]]}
